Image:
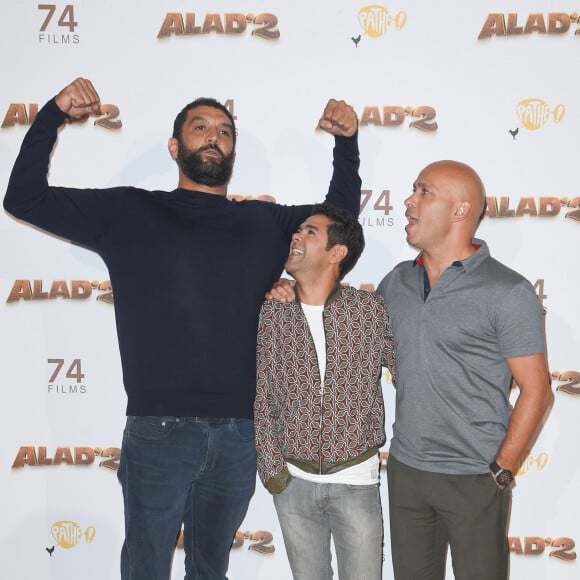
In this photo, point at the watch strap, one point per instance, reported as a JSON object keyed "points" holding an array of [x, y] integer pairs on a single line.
{"points": [[503, 476]]}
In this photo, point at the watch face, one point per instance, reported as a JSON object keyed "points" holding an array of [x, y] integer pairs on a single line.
{"points": [[505, 478]]}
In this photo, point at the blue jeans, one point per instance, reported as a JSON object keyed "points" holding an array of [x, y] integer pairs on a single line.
{"points": [[310, 513], [192, 470]]}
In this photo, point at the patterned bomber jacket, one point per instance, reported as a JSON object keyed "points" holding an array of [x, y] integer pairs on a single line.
{"points": [[329, 430]]}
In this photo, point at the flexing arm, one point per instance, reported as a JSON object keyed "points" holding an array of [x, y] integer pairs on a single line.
{"points": [[71, 213], [531, 375], [339, 119]]}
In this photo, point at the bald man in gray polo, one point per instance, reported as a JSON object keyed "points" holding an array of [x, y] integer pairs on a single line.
{"points": [[463, 325], [452, 407]]}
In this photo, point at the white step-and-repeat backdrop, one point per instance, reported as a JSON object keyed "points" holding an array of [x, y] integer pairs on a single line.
{"points": [[493, 84]]}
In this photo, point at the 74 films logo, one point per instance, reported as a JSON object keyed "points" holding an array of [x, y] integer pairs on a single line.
{"points": [[380, 206], [58, 383], [58, 25]]}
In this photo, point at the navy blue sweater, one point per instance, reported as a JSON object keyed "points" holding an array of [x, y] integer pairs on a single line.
{"points": [[188, 269]]}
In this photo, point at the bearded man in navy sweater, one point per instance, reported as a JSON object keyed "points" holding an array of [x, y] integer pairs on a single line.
{"points": [[188, 357]]}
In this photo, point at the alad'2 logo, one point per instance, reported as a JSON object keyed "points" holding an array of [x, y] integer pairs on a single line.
{"points": [[545, 206], [569, 382], [20, 114], [559, 548], [33, 290], [496, 24], [264, 25]]}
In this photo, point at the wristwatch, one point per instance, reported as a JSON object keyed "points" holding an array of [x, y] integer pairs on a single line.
{"points": [[502, 476]]}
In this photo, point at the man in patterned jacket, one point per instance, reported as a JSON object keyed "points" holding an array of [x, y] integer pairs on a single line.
{"points": [[319, 412]]}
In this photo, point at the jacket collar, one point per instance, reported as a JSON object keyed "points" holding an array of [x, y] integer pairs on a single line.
{"points": [[334, 294]]}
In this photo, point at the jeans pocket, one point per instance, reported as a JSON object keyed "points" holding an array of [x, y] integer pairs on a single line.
{"points": [[150, 428], [245, 429], [363, 487]]}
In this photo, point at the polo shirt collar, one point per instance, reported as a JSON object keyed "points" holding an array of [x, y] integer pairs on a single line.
{"points": [[469, 264]]}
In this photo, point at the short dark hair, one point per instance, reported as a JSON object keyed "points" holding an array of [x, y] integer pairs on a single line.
{"points": [[202, 102], [344, 229]]}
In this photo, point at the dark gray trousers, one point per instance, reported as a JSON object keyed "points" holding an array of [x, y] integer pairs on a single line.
{"points": [[430, 511]]}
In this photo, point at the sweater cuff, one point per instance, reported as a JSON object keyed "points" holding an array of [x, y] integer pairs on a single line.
{"points": [[347, 144], [279, 482], [51, 114]]}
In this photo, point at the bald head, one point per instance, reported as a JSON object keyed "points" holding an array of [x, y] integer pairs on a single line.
{"points": [[461, 181]]}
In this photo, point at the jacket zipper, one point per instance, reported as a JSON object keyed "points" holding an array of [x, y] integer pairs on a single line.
{"points": [[321, 396]]}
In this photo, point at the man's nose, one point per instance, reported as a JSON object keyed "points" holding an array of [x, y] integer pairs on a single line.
{"points": [[212, 135]]}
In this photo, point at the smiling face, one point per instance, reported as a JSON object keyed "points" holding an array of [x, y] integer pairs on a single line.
{"points": [[308, 250], [204, 151]]}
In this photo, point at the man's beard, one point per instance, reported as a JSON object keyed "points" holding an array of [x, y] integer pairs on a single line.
{"points": [[211, 173]]}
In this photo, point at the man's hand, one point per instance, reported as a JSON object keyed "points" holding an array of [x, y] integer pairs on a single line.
{"points": [[338, 118], [79, 99], [283, 291]]}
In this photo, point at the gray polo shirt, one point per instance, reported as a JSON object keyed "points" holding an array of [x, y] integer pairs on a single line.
{"points": [[452, 406]]}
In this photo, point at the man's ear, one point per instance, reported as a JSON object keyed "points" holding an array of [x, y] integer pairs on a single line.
{"points": [[462, 211], [338, 253], [173, 146]]}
